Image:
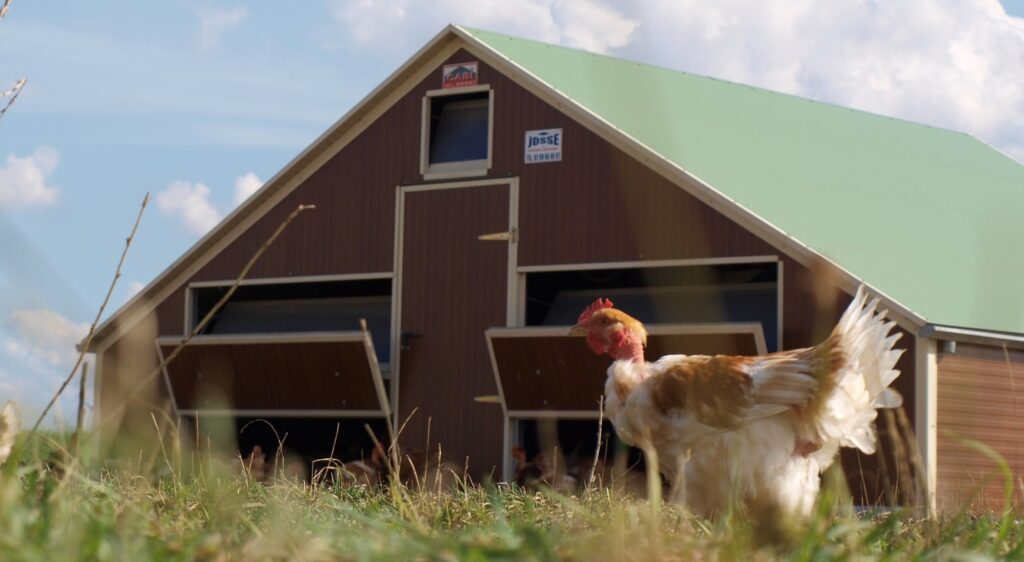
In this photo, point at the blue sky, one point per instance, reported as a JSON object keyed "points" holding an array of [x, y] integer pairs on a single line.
{"points": [[195, 101]]}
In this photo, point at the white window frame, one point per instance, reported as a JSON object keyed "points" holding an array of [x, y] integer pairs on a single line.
{"points": [[463, 169]]}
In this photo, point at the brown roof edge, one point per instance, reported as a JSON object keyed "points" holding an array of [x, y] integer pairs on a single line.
{"points": [[297, 165]]}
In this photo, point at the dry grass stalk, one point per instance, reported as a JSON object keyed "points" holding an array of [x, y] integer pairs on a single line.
{"points": [[919, 493], [597, 451], [278, 468], [95, 322], [330, 464], [888, 492], [9, 426], [163, 450], [904, 478], [398, 493], [13, 93], [80, 418]]}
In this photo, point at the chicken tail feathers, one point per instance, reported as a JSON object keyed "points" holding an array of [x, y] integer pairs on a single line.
{"points": [[860, 384]]}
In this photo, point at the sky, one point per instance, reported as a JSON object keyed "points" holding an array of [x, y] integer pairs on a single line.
{"points": [[198, 102]]}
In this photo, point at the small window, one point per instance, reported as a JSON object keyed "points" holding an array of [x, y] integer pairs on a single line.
{"points": [[457, 136]]}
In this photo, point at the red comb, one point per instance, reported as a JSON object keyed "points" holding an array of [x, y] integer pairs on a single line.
{"points": [[594, 307]]}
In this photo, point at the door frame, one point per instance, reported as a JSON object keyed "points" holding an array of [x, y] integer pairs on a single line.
{"points": [[512, 274]]}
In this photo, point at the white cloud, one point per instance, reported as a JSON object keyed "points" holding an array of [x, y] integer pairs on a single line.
{"points": [[23, 179], [38, 350], [246, 185], [44, 336], [133, 289], [191, 204], [213, 22], [954, 64], [398, 24], [589, 25]]}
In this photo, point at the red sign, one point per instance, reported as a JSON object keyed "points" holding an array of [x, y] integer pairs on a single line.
{"points": [[462, 74]]}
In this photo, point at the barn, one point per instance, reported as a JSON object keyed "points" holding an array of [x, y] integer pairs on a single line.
{"points": [[489, 188]]}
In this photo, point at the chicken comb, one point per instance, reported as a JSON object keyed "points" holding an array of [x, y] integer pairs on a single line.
{"points": [[599, 304]]}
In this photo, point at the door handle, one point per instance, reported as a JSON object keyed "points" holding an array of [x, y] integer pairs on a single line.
{"points": [[509, 236]]}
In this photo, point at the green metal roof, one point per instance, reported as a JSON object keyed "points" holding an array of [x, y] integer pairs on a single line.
{"points": [[933, 218]]}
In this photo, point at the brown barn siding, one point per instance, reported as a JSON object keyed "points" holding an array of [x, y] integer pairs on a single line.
{"points": [[350, 231], [597, 205], [170, 314], [981, 398]]}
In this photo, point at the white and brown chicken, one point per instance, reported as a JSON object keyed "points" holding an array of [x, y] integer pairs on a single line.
{"points": [[753, 432]]}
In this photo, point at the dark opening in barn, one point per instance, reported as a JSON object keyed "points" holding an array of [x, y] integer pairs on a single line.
{"points": [[746, 292], [322, 306]]}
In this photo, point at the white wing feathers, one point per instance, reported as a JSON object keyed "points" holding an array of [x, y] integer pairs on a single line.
{"points": [[862, 384]]}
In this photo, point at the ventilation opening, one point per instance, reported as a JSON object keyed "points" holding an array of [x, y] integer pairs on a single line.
{"points": [[305, 440], [327, 306], [576, 442], [661, 295]]}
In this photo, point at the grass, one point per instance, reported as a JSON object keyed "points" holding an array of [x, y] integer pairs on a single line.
{"points": [[203, 509]]}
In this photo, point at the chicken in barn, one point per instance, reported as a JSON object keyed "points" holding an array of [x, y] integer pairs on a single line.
{"points": [[749, 432], [547, 469], [572, 474], [428, 473], [366, 472]]}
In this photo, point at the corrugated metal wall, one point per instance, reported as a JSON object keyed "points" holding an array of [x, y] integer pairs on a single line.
{"points": [[981, 399]]}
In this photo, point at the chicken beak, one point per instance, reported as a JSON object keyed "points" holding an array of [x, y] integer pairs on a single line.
{"points": [[578, 330]]}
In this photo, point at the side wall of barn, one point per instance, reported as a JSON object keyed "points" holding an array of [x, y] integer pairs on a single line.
{"points": [[981, 404]]}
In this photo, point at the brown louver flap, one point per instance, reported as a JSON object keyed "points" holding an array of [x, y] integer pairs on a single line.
{"points": [[544, 371], [303, 374]]}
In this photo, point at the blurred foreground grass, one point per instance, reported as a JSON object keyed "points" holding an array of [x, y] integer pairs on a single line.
{"points": [[53, 509]]}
